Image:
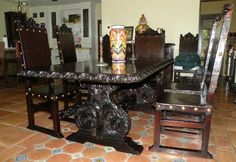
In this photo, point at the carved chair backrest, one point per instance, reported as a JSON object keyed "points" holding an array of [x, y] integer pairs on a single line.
{"points": [[2, 49], [65, 44], [188, 43], [216, 49], [34, 46], [106, 49], [150, 45]]}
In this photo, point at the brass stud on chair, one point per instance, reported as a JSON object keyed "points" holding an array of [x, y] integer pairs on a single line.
{"points": [[38, 95]]}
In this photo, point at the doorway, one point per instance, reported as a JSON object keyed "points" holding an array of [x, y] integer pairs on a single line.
{"points": [[205, 27], [99, 31]]}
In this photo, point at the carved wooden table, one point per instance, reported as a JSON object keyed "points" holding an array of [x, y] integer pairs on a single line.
{"points": [[100, 120]]}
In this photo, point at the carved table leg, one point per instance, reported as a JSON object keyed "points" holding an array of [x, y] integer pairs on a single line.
{"points": [[101, 121], [144, 94]]}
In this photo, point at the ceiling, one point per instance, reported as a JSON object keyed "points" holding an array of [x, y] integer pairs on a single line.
{"points": [[211, 0], [51, 2], [62, 2]]}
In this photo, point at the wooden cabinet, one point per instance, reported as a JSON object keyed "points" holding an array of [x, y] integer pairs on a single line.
{"points": [[11, 18]]}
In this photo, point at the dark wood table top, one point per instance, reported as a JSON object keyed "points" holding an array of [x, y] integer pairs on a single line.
{"points": [[88, 71]]}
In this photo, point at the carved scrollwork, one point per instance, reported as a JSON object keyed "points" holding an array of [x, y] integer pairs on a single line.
{"points": [[144, 94], [100, 113], [115, 121], [56, 73], [86, 117]]}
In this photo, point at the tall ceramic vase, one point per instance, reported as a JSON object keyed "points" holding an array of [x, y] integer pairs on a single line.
{"points": [[118, 44]]}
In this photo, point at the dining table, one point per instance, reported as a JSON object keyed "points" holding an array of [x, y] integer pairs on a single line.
{"points": [[100, 119]]}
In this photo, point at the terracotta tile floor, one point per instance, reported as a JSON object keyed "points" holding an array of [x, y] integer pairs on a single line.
{"points": [[17, 143]]}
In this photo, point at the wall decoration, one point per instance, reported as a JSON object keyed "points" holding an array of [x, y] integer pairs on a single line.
{"points": [[129, 32], [41, 14], [35, 15], [74, 18]]}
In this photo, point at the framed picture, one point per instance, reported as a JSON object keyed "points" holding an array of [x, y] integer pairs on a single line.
{"points": [[74, 18], [129, 32], [34, 15], [41, 14]]}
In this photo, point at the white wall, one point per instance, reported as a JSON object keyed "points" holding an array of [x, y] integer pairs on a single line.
{"points": [[175, 16]]}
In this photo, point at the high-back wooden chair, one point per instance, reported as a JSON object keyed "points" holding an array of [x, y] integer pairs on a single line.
{"points": [[106, 49], [194, 105], [188, 46], [35, 54], [188, 43], [196, 87], [65, 44], [67, 54], [150, 44]]}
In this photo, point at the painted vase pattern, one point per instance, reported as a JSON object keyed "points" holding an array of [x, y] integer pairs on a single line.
{"points": [[118, 43]]}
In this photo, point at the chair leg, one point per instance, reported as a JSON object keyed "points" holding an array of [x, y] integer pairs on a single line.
{"points": [[55, 118], [30, 112], [157, 132], [206, 134]]}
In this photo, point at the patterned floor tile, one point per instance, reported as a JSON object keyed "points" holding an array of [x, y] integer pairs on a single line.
{"points": [[39, 154], [94, 152], [60, 158], [24, 145], [115, 156], [55, 143], [73, 148]]}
